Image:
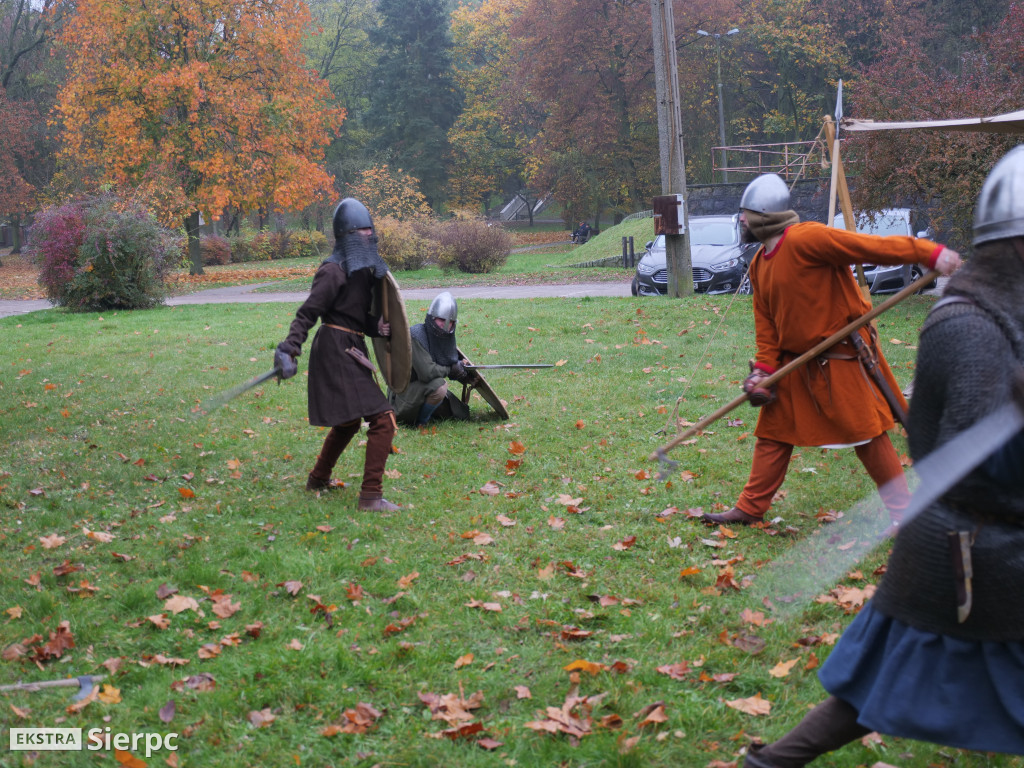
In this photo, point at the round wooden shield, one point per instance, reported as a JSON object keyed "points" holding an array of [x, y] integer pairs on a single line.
{"points": [[482, 388], [394, 354]]}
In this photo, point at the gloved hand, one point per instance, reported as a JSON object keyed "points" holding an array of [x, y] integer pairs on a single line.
{"points": [[284, 364], [756, 394], [948, 262], [384, 329], [459, 373]]}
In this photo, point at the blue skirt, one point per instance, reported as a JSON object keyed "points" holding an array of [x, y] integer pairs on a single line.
{"points": [[919, 685]]}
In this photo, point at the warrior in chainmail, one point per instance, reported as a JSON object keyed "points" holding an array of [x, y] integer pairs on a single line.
{"points": [[938, 654], [435, 358], [341, 389]]}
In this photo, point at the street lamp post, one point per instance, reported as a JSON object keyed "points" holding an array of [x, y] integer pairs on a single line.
{"points": [[721, 112]]}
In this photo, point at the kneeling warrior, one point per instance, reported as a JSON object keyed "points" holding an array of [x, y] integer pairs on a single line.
{"points": [[341, 390], [435, 357]]}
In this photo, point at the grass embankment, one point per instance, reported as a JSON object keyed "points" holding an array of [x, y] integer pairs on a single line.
{"points": [[191, 566]]}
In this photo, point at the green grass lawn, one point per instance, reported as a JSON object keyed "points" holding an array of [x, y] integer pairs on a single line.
{"points": [[191, 566]]}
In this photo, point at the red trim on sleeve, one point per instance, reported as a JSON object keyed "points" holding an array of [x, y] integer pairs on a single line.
{"points": [[935, 256], [766, 368]]}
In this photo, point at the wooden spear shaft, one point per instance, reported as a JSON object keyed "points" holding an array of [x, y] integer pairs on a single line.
{"points": [[791, 366]]}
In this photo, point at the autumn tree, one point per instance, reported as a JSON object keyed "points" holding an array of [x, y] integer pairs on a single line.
{"points": [[589, 64], [17, 196], [198, 104], [391, 193], [490, 137], [413, 97], [941, 169]]}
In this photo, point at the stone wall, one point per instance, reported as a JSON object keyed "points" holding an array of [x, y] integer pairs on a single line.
{"points": [[809, 199]]}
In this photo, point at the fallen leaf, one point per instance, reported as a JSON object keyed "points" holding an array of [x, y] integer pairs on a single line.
{"points": [[464, 661], [516, 448], [625, 544], [128, 760], [179, 603], [167, 711], [291, 587], [262, 718], [110, 694], [754, 705], [783, 668], [295, 645], [52, 541], [490, 488], [522, 692], [14, 611], [583, 665]]}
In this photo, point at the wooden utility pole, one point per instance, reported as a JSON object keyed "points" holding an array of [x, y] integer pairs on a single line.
{"points": [[670, 135]]}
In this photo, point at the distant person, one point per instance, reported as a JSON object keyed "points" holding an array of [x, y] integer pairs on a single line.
{"points": [[803, 292], [435, 358], [937, 654], [582, 233]]}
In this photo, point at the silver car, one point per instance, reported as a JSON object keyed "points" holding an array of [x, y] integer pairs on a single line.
{"points": [[890, 221], [718, 257]]}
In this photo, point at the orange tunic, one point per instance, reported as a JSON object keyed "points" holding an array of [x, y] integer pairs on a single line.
{"points": [[804, 291]]}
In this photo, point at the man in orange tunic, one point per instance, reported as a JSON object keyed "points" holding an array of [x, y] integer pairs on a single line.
{"points": [[804, 291]]}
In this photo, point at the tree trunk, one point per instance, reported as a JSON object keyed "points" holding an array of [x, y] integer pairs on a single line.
{"points": [[16, 234], [195, 254]]}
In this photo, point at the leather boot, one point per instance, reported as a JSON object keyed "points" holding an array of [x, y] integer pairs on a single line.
{"points": [[753, 760], [335, 442], [378, 448], [734, 516], [375, 504]]}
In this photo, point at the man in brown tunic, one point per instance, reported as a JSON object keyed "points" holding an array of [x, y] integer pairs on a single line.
{"points": [[341, 389], [804, 292]]}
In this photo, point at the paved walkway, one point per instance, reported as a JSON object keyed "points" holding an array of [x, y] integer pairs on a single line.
{"points": [[245, 294]]}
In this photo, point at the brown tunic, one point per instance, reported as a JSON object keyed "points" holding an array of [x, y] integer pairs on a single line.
{"points": [[340, 389], [804, 292]]}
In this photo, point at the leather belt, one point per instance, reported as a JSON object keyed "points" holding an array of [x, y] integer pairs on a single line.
{"points": [[343, 328]]}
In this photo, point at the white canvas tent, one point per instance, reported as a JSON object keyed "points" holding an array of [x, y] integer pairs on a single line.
{"points": [[1011, 122]]}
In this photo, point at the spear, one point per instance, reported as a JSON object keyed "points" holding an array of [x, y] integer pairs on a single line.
{"points": [[791, 366]]}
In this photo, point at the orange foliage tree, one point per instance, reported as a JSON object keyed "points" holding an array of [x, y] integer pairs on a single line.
{"points": [[196, 105], [16, 195]]}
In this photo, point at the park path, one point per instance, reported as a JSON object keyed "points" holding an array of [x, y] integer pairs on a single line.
{"points": [[244, 294]]}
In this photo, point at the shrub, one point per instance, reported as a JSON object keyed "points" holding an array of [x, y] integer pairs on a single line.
{"points": [[280, 244], [250, 245], [215, 250], [473, 246], [308, 243], [102, 253], [404, 246]]}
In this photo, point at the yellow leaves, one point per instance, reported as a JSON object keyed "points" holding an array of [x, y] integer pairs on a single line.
{"points": [[464, 661], [52, 541], [754, 705], [110, 695], [582, 665], [14, 611]]}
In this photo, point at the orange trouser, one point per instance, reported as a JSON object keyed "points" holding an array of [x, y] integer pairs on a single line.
{"points": [[771, 460]]}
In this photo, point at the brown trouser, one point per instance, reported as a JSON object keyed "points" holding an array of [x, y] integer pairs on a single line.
{"points": [[825, 728], [378, 448], [771, 460]]}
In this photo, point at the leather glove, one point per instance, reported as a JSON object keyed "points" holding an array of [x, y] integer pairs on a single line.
{"points": [[756, 394], [284, 364]]}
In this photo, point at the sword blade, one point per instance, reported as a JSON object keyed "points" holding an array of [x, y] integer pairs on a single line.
{"points": [[510, 365], [230, 394], [941, 469]]}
